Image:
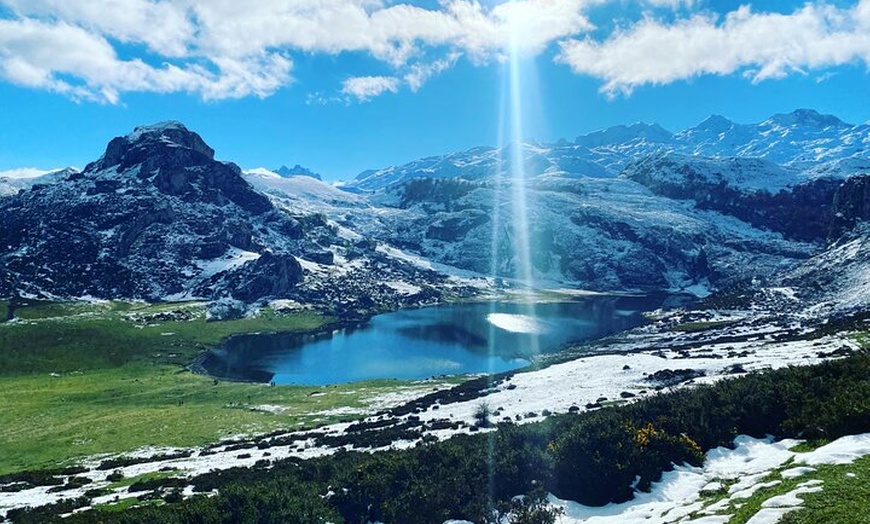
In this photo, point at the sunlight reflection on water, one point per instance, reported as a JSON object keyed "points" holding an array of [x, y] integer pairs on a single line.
{"points": [[517, 323]]}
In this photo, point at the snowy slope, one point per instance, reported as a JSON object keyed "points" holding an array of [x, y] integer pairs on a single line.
{"points": [[302, 193], [836, 281], [12, 185]]}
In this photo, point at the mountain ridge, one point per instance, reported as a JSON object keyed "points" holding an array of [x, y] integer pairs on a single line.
{"points": [[821, 145], [156, 217]]}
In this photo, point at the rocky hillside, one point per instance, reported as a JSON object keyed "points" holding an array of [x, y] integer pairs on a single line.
{"points": [[632, 207], [628, 208], [10, 186], [157, 217]]}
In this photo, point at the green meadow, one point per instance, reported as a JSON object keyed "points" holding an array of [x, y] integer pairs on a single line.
{"points": [[82, 379]]}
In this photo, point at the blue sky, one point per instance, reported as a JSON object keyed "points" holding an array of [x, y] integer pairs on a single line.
{"points": [[340, 86]]}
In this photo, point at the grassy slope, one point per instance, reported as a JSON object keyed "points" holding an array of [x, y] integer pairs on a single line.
{"points": [[844, 499], [83, 379]]}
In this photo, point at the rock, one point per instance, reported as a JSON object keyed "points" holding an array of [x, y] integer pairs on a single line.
{"points": [[271, 275], [138, 222], [851, 205], [672, 377], [297, 170]]}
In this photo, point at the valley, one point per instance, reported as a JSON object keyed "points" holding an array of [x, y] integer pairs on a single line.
{"points": [[123, 281]]}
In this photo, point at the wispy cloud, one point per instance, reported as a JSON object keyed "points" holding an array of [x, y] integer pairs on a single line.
{"points": [[760, 46], [420, 73], [364, 88], [229, 49]]}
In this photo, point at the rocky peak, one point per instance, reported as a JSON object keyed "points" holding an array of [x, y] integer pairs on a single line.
{"points": [[297, 170], [807, 118], [177, 162], [166, 142], [714, 124]]}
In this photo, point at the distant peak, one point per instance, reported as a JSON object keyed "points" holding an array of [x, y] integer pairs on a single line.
{"points": [[297, 170], [807, 118], [715, 122], [621, 134]]}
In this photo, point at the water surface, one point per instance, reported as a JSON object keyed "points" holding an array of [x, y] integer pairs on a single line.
{"points": [[420, 343]]}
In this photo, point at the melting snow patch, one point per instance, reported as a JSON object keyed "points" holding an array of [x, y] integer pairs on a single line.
{"points": [[796, 472], [403, 288], [231, 260], [676, 496], [841, 451], [769, 515]]}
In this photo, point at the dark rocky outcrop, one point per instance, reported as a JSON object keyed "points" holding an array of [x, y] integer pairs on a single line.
{"points": [[297, 170], [851, 206], [800, 212], [270, 276]]}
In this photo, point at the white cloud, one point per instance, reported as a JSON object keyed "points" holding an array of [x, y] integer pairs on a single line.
{"points": [[163, 27], [89, 50], [673, 4], [364, 88], [70, 60], [824, 77], [760, 45], [226, 48]]}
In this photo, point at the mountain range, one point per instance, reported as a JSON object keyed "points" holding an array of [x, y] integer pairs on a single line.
{"points": [[627, 208], [809, 144]]}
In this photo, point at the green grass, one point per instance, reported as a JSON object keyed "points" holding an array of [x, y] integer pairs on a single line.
{"points": [[58, 338], [46, 420], [129, 481], [85, 379], [845, 498]]}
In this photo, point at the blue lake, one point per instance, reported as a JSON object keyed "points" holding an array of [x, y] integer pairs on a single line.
{"points": [[447, 339]]}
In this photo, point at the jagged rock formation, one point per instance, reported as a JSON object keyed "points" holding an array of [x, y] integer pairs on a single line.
{"points": [[851, 206], [297, 170], [142, 221], [156, 217]]}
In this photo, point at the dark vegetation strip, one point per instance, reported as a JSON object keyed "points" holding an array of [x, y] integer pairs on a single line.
{"points": [[593, 458]]}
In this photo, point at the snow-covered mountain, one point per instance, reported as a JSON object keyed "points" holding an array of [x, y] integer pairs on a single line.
{"points": [[157, 217], [629, 208], [12, 185], [804, 141]]}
